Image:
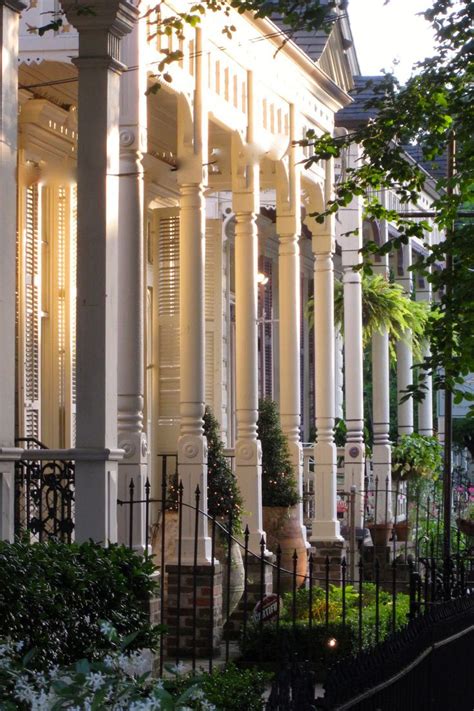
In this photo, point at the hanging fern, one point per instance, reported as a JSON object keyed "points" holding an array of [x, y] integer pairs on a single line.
{"points": [[385, 306]]}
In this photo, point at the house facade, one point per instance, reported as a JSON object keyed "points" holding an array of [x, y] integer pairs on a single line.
{"points": [[158, 252]]}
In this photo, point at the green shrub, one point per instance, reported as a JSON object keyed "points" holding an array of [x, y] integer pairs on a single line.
{"points": [[368, 605], [276, 646], [228, 688], [279, 486], [54, 597]]}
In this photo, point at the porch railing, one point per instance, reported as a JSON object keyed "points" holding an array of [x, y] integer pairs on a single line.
{"points": [[44, 492]]}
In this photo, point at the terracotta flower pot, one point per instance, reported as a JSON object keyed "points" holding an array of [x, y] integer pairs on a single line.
{"points": [[171, 537], [381, 533], [466, 526], [282, 526], [403, 531]]}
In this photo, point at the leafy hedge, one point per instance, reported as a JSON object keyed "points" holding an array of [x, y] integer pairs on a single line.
{"points": [[277, 646], [297, 640], [54, 597]]}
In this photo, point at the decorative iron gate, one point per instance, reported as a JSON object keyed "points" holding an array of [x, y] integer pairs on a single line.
{"points": [[44, 495]]}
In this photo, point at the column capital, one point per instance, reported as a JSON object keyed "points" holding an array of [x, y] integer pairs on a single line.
{"points": [[100, 31], [323, 244], [15, 5], [288, 245], [287, 225]]}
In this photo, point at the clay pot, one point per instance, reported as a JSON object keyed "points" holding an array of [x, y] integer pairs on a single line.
{"points": [[381, 533], [171, 538], [403, 531], [237, 574], [282, 526]]}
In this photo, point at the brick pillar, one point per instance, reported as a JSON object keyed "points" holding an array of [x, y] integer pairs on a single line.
{"points": [[334, 550], [183, 577]]}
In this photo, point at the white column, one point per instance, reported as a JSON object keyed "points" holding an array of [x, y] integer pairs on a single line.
{"points": [[339, 365], [245, 201], [404, 352], [288, 227], [131, 297], [9, 20], [98, 166], [351, 244], [325, 524], [192, 178], [382, 451], [425, 407]]}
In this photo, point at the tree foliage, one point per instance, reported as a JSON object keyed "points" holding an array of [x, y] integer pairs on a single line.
{"points": [[435, 105]]}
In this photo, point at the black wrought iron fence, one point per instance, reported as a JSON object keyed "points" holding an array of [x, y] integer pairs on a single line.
{"points": [[428, 666], [330, 607]]}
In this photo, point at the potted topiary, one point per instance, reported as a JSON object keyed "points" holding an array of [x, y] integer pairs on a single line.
{"points": [[280, 497], [224, 499]]}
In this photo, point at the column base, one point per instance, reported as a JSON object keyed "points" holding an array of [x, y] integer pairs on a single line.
{"points": [[354, 471], [382, 464], [192, 472], [325, 531], [208, 601], [96, 494], [134, 466], [296, 455], [248, 467], [7, 492]]}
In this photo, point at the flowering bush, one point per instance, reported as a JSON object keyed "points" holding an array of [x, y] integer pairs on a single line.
{"points": [[416, 456], [122, 681]]}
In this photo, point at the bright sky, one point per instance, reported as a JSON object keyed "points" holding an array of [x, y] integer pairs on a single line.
{"points": [[387, 32]]}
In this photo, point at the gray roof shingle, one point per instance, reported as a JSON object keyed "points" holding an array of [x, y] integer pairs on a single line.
{"points": [[356, 113]]}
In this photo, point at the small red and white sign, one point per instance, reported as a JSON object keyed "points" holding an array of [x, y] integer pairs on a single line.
{"points": [[266, 609]]}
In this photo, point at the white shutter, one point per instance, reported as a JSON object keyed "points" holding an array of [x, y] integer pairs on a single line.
{"points": [[216, 381], [166, 361], [265, 336], [70, 256], [30, 313]]}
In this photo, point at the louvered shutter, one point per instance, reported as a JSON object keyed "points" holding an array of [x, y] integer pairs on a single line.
{"points": [[166, 327], [30, 314], [311, 367], [70, 257], [303, 350], [215, 313], [265, 303]]}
